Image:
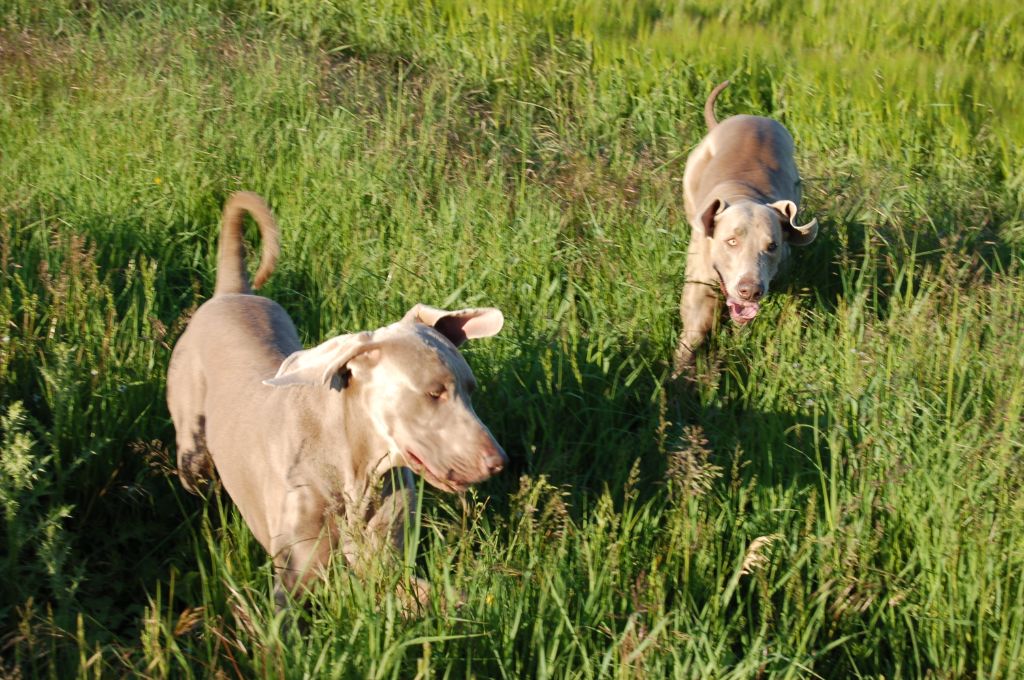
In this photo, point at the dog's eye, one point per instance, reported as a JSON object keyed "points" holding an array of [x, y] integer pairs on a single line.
{"points": [[436, 393], [732, 242], [772, 246]]}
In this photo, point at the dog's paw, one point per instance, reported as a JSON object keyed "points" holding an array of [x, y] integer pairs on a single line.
{"points": [[684, 368], [417, 594]]}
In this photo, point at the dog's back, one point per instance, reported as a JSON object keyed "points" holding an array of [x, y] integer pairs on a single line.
{"points": [[754, 151]]}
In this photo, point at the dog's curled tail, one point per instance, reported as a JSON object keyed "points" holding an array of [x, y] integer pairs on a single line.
{"points": [[709, 105], [231, 274]]}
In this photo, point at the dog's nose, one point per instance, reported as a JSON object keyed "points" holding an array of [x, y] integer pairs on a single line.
{"points": [[494, 459], [750, 290]]}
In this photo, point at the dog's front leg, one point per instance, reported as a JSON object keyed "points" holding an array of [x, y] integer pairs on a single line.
{"points": [[393, 523], [300, 543], [395, 515], [698, 309]]}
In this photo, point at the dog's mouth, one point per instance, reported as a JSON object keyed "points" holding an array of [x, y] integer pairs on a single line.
{"points": [[741, 311], [444, 482]]}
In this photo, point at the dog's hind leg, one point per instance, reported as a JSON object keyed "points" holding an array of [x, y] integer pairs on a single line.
{"points": [[186, 391], [195, 466]]}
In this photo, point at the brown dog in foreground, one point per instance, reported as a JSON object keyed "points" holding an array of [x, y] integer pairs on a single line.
{"points": [[742, 193], [317, 447]]}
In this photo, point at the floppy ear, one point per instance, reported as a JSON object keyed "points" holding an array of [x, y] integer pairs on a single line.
{"points": [[797, 235], [460, 325], [319, 365], [707, 216]]}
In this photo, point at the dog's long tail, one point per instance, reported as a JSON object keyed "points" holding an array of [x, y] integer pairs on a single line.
{"points": [[231, 274], [709, 105]]}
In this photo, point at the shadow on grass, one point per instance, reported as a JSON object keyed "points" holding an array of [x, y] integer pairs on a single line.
{"points": [[571, 419], [575, 422], [882, 246]]}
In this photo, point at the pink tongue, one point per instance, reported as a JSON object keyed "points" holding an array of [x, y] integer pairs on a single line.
{"points": [[740, 311]]}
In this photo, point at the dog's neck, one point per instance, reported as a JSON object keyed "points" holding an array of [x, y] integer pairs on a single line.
{"points": [[343, 455]]}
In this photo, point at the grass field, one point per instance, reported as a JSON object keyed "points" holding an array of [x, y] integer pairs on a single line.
{"points": [[840, 493]]}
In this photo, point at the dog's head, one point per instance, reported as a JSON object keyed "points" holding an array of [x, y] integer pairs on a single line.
{"points": [[748, 240], [415, 387]]}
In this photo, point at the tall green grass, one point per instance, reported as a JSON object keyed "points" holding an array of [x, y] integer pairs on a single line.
{"points": [[837, 495]]}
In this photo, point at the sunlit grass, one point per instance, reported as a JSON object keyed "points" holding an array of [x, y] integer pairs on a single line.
{"points": [[837, 495]]}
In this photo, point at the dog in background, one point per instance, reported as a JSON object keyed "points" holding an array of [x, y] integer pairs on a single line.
{"points": [[742, 193]]}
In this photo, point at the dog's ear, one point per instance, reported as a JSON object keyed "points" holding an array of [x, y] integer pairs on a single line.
{"points": [[707, 216], [797, 235], [321, 365], [460, 325]]}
